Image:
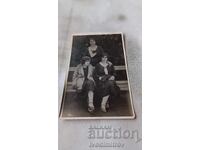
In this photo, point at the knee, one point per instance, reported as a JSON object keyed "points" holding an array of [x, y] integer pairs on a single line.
{"points": [[90, 82], [90, 85], [111, 83]]}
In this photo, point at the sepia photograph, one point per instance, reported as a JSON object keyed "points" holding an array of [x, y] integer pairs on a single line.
{"points": [[97, 82]]}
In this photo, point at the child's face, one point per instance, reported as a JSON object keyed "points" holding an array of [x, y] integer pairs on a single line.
{"points": [[92, 42], [104, 58], [87, 63]]}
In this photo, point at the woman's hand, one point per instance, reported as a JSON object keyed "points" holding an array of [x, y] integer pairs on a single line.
{"points": [[112, 78], [90, 78], [80, 76]]}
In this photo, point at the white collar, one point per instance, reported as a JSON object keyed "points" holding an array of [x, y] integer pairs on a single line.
{"points": [[104, 65]]}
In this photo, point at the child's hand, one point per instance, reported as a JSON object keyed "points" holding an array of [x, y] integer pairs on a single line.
{"points": [[112, 78], [90, 78], [80, 76]]}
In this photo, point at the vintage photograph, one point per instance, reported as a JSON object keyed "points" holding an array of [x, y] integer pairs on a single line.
{"points": [[97, 84]]}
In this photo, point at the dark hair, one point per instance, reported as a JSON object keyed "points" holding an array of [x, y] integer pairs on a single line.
{"points": [[104, 54], [84, 59], [92, 38]]}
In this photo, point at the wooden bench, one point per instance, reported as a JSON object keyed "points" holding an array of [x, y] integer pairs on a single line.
{"points": [[123, 84], [116, 68]]}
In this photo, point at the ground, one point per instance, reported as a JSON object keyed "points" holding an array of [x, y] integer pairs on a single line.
{"points": [[76, 106]]}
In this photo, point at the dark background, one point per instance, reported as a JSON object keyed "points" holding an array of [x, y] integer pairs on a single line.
{"points": [[119, 106], [111, 44]]}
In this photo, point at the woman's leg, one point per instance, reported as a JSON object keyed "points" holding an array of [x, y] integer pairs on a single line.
{"points": [[90, 101], [90, 90], [112, 88], [104, 102], [109, 89]]}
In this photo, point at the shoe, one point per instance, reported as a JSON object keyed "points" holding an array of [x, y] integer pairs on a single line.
{"points": [[91, 107]]}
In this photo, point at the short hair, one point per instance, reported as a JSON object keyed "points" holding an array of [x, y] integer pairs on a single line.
{"points": [[84, 59], [104, 54], [92, 38]]}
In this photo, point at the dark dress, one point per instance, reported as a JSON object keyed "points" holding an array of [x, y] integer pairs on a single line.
{"points": [[88, 85], [97, 58], [105, 86]]}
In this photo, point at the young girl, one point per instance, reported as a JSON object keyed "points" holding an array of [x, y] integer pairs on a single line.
{"points": [[83, 80], [94, 52], [105, 79]]}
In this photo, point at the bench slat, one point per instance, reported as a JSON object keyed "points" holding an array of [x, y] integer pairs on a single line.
{"points": [[123, 85], [116, 68], [118, 82]]}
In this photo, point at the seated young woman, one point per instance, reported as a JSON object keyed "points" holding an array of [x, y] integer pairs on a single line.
{"points": [[83, 80], [104, 75]]}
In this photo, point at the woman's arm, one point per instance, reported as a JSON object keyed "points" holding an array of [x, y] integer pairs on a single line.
{"points": [[112, 73], [99, 73], [96, 73], [112, 70], [75, 74]]}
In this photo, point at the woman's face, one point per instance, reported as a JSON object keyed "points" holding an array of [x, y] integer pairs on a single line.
{"points": [[87, 63], [104, 58], [92, 42]]}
